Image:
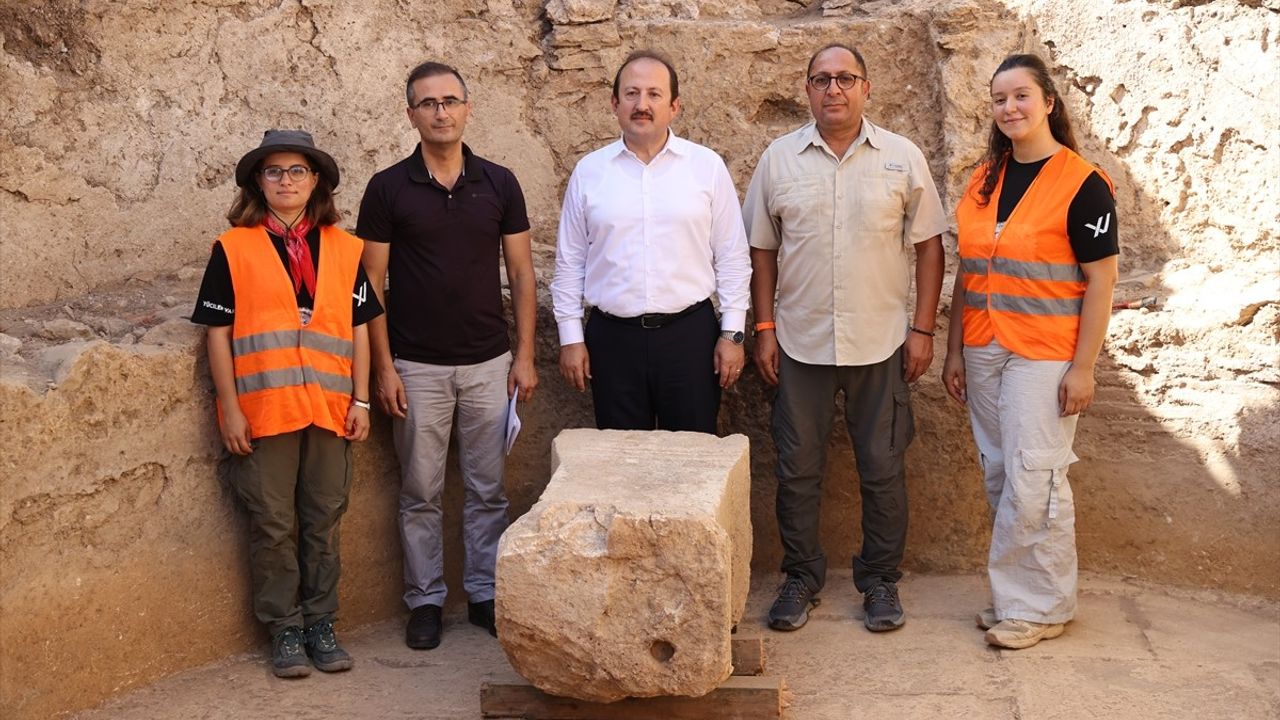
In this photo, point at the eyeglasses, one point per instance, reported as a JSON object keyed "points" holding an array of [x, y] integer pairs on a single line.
{"points": [[843, 81], [448, 104], [297, 173]]}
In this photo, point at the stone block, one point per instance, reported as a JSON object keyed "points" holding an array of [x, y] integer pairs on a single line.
{"points": [[572, 12], [627, 576]]}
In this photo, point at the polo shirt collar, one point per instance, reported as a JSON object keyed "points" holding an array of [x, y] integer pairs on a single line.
{"points": [[418, 171]]}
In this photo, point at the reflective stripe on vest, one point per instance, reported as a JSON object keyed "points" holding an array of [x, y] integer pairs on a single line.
{"points": [[1024, 305], [289, 377], [1026, 270], [1022, 285], [293, 338]]}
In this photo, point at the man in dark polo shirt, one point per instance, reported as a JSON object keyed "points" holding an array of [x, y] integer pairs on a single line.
{"points": [[436, 221]]}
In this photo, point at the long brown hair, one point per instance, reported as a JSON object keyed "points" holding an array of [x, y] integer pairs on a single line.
{"points": [[999, 147], [250, 206]]}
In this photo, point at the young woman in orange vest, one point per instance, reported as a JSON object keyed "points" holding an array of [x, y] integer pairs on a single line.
{"points": [[286, 302], [1038, 263]]}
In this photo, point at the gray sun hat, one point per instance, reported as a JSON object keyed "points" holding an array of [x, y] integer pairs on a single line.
{"points": [[298, 141]]}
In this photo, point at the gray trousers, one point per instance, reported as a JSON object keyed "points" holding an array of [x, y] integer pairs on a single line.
{"points": [[477, 394], [301, 476], [878, 418], [1024, 446]]}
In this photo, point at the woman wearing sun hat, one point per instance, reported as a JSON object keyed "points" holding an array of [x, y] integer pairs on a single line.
{"points": [[286, 301]]}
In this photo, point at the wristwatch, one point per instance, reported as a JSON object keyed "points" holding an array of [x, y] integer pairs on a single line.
{"points": [[361, 403], [734, 336]]}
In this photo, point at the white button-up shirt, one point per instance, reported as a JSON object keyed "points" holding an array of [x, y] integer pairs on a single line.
{"points": [[640, 238], [843, 228]]}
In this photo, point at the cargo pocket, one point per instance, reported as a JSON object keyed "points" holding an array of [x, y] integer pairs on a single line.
{"points": [[1055, 461], [903, 426]]}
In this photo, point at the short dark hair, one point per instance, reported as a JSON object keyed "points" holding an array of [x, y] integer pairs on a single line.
{"points": [[250, 206], [649, 55], [862, 64], [431, 69]]}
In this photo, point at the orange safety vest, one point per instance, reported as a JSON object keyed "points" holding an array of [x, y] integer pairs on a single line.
{"points": [[289, 377], [1022, 284]]}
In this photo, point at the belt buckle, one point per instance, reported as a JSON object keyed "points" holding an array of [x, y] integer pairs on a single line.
{"points": [[644, 321]]}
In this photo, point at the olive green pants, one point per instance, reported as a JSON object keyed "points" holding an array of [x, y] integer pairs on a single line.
{"points": [[301, 478]]}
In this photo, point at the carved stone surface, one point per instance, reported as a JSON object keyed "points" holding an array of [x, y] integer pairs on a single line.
{"points": [[626, 577]]}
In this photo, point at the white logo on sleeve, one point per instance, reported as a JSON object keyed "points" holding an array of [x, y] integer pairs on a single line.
{"points": [[1104, 224], [361, 296]]}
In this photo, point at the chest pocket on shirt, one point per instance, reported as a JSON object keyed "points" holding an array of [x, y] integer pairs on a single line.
{"points": [[884, 204], [800, 204]]}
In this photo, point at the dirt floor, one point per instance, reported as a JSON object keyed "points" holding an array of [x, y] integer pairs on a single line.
{"points": [[1134, 651]]}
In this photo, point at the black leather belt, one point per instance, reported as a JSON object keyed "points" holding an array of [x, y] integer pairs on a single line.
{"points": [[652, 321]]}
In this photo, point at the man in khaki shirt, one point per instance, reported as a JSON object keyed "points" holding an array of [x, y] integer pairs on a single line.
{"points": [[841, 203]]}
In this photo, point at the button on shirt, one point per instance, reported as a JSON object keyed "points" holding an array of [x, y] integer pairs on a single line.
{"points": [[640, 238], [843, 228]]}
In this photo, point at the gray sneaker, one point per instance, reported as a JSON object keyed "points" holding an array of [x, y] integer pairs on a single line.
{"points": [[324, 650], [884, 610], [791, 610], [287, 657]]}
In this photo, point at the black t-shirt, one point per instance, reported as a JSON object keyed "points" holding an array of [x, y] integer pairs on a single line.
{"points": [[1091, 217], [444, 304], [216, 303]]}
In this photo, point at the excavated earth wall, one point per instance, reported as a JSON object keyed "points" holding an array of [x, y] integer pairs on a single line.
{"points": [[122, 548]]}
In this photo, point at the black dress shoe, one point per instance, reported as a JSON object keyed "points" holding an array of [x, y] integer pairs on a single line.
{"points": [[480, 614], [423, 630]]}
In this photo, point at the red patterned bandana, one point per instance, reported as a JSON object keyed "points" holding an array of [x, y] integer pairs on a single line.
{"points": [[301, 267]]}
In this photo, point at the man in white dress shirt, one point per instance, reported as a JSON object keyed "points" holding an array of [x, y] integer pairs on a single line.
{"points": [[649, 231]]}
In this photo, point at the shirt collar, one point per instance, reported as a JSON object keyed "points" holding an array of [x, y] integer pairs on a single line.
{"points": [[675, 144], [869, 134], [418, 171]]}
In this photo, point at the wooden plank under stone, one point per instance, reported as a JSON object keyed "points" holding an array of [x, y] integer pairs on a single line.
{"points": [[748, 656], [738, 698]]}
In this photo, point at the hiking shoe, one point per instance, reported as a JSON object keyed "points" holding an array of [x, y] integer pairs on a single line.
{"points": [[323, 648], [884, 611], [791, 610], [1018, 634], [987, 619], [423, 630], [480, 614], [288, 660]]}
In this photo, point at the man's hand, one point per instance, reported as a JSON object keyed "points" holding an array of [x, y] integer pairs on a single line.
{"points": [[729, 361], [767, 356], [357, 425], [917, 357], [953, 378], [1076, 391], [524, 376], [235, 431], [391, 397], [575, 365]]}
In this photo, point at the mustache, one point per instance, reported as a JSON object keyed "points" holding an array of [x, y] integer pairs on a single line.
{"points": [[641, 114]]}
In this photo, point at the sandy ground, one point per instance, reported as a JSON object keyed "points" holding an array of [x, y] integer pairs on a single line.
{"points": [[1134, 651]]}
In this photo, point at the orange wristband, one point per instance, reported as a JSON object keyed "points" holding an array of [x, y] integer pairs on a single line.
{"points": [[761, 326]]}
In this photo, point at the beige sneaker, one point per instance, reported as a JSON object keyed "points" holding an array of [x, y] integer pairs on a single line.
{"points": [[1018, 634], [987, 619]]}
